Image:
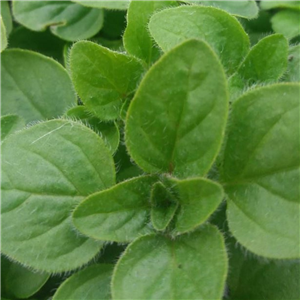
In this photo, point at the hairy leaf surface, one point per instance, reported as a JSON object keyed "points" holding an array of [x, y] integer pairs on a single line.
{"points": [[156, 267], [101, 87], [176, 121], [218, 28], [88, 284], [261, 171], [34, 86], [119, 214], [42, 184]]}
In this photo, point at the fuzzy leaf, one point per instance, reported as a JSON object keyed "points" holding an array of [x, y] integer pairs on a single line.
{"points": [[287, 23], [10, 124], [198, 198], [6, 16], [156, 267], [176, 121], [34, 86], [88, 284], [137, 40], [42, 184], [69, 21], [265, 63], [18, 281], [101, 87], [219, 29], [120, 5], [109, 131], [3, 36], [118, 214], [245, 9], [261, 171], [163, 206], [293, 69]]}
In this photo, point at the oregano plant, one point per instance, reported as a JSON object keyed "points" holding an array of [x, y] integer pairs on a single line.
{"points": [[150, 150]]}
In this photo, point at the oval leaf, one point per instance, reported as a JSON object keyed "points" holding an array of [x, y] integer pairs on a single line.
{"points": [[69, 21], [219, 29], [88, 284], [34, 86], [176, 121], [190, 267], [101, 87], [261, 171], [137, 39], [41, 185], [198, 198], [119, 214]]}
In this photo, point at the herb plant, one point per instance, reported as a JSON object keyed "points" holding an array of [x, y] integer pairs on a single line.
{"points": [[150, 150]]}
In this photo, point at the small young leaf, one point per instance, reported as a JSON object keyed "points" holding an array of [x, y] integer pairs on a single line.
{"points": [[101, 87], [18, 281], [109, 131], [137, 40], [177, 125], [3, 35], [34, 86], [287, 23], [219, 29], [156, 267], [261, 171], [41, 185], [120, 5], [89, 284], [244, 9], [119, 214], [163, 206], [198, 198], [267, 4], [69, 21], [6, 17], [10, 124], [293, 69], [265, 63]]}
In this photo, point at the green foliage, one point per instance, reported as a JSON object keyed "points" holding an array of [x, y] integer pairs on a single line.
{"points": [[147, 152]]}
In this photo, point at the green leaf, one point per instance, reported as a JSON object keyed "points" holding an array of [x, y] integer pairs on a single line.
{"points": [[198, 198], [42, 184], [156, 267], [265, 63], [119, 214], [287, 23], [244, 9], [18, 281], [293, 69], [6, 17], [69, 21], [88, 284], [163, 206], [137, 39], [3, 36], [261, 171], [108, 131], [219, 29], [266, 4], [101, 87], [120, 5], [43, 42], [256, 279], [10, 124], [34, 87], [177, 125]]}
